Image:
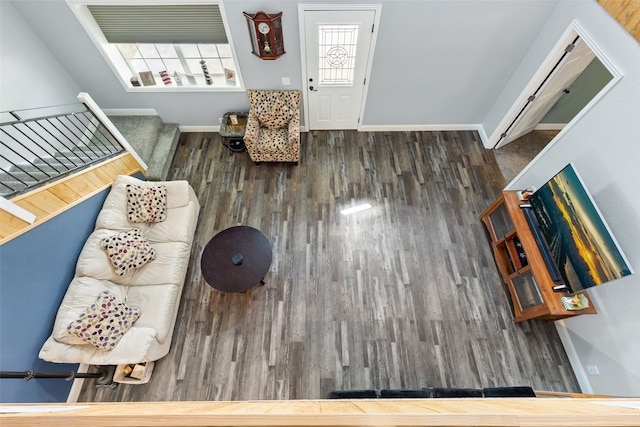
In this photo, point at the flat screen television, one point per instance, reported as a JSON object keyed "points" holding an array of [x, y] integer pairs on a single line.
{"points": [[578, 238]]}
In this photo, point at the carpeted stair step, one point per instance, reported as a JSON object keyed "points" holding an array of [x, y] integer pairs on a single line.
{"points": [[154, 141], [39, 167], [141, 132], [162, 156]]}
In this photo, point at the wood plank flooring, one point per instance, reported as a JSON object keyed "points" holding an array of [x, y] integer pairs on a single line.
{"points": [[404, 295]]}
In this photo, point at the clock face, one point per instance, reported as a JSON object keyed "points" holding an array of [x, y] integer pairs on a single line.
{"points": [[263, 27]]}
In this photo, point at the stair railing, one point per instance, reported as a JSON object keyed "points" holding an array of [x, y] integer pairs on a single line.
{"points": [[37, 150]]}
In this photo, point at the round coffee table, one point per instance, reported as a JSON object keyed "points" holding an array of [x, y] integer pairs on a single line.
{"points": [[236, 259]]}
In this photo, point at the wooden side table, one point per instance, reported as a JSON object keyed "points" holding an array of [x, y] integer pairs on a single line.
{"points": [[232, 134]]}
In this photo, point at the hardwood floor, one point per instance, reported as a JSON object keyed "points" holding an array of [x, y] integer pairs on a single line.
{"points": [[404, 295]]}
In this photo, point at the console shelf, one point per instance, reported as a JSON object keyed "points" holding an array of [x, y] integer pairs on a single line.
{"points": [[521, 264]]}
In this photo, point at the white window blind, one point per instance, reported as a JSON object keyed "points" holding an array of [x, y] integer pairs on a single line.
{"points": [[160, 23]]}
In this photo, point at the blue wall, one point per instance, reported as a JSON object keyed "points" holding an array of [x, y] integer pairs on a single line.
{"points": [[35, 271]]}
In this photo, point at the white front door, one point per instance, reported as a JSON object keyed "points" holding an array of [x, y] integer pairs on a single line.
{"points": [[336, 59]]}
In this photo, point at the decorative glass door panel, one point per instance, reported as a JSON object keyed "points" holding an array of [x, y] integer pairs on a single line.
{"points": [[337, 45]]}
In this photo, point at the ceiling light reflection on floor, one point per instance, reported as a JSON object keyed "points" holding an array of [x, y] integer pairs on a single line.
{"points": [[355, 209]]}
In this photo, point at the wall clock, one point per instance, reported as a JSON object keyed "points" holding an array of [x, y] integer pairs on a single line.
{"points": [[265, 31]]}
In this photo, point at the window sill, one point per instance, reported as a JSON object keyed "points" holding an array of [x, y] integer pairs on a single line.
{"points": [[174, 89]]}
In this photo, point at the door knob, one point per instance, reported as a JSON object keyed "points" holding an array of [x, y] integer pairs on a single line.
{"points": [[312, 89]]}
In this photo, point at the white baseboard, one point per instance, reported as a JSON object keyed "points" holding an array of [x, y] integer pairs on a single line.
{"points": [[130, 112], [425, 128], [550, 126], [76, 387], [572, 354], [203, 129], [369, 128]]}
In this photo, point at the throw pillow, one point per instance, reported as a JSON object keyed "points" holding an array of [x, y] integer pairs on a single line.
{"points": [[104, 322], [146, 203], [128, 250]]}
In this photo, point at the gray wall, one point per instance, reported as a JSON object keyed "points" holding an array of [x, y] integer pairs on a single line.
{"points": [[603, 146], [436, 62], [30, 75]]}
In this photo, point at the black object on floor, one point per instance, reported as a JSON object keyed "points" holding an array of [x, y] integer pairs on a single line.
{"points": [[456, 392], [509, 392], [407, 394], [353, 394]]}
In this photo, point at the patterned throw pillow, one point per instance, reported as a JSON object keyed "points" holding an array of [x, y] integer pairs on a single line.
{"points": [[146, 203], [128, 250], [104, 322]]}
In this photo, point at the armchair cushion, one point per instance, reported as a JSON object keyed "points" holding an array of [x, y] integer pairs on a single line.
{"points": [[273, 141], [274, 115]]}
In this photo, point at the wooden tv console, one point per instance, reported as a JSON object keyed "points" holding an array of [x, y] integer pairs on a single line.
{"points": [[521, 265]]}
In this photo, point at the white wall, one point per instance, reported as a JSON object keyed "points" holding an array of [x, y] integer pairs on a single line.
{"points": [[30, 76], [603, 146]]}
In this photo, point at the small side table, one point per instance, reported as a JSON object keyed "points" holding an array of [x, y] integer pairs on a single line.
{"points": [[232, 134]]}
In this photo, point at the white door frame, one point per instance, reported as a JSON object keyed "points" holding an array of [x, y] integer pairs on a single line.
{"points": [[574, 30], [302, 8]]}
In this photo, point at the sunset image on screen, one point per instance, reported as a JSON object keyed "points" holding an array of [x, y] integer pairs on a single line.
{"points": [[579, 239]]}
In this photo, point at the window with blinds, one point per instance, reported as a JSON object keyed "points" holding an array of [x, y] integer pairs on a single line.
{"points": [[162, 46]]}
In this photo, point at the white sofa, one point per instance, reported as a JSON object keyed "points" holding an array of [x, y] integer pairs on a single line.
{"points": [[154, 289]]}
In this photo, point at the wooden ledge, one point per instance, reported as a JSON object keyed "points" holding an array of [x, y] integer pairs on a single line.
{"points": [[50, 200], [378, 412]]}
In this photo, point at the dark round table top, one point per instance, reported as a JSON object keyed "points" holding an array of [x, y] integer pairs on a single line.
{"points": [[236, 259]]}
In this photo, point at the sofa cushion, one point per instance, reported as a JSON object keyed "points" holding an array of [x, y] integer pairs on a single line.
{"points": [[95, 263], [146, 203], [82, 292], [169, 265], [179, 226], [113, 214], [104, 322], [128, 250], [158, 304]]}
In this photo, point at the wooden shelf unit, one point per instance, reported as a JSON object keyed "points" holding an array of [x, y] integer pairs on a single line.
{"points": [[521, 265]]}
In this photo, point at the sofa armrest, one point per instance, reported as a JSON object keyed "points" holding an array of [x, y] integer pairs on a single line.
{"points": [[251, 130], [294, 137], [294, 129], [134, 347]]}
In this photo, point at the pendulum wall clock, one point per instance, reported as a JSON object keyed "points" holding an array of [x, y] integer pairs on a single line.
{"points": [[265, 31]]}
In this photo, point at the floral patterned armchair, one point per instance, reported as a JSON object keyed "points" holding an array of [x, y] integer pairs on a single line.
{"points": [[273, 126]]}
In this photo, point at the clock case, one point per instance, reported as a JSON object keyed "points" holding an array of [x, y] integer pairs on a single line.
{"points": [[270, 44]]}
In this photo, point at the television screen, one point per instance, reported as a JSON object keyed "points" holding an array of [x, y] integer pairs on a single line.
{"points": [[583, 248]]}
